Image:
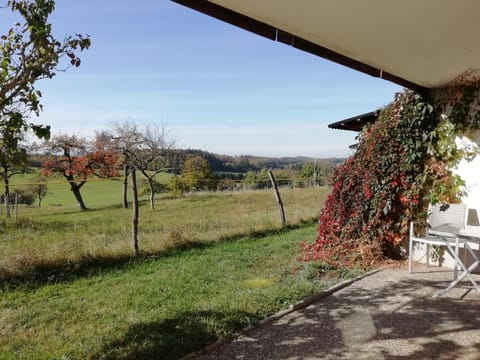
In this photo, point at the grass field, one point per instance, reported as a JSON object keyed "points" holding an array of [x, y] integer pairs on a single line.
{"points": [[211, 264], [97, 193], [160, 308], [58, 238]]}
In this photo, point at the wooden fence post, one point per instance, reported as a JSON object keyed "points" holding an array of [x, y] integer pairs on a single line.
{"points": [[133, 174], [277, 197]]}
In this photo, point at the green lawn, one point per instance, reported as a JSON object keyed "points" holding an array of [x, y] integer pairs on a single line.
{"points": [[210, 265], [97, 193], [161, 307]]}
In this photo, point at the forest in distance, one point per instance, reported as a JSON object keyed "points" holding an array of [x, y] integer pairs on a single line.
{"points": [[220, 163]]}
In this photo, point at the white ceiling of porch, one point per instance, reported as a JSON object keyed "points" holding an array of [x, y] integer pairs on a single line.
{"points": [[426, 42]]}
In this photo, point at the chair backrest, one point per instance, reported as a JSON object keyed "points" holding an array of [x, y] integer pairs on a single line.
{"points": [[454, 215]]}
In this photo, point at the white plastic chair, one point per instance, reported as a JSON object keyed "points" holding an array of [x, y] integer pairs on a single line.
{"points": [[444, 219]]}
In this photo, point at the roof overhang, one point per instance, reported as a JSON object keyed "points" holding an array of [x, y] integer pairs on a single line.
{"points": [[356, 123], [417, 44]]}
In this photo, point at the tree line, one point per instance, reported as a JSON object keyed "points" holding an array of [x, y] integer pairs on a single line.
{"points": [[127, 149]]}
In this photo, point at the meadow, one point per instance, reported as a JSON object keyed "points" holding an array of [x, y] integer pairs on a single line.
{"points": [[210, 265], [58, 238]]}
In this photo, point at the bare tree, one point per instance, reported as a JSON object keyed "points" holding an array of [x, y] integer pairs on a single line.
{"points": [[142, 150], [151, 160], [128, 140]]}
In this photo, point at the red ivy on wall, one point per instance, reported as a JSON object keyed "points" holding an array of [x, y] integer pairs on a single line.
{"points": [[379, 189]]}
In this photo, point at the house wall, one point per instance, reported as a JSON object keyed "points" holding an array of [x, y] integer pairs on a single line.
{"points": [[469, 171]]}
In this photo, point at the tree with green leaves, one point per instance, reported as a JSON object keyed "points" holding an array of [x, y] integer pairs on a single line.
{"points": [[196, 173], [13, 153], [28, 52]]}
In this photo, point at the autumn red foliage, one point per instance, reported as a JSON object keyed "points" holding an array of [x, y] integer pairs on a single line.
{"points": [[378, 190], [76, 162]]}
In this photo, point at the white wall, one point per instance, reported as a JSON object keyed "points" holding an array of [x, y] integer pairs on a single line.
{"points": [[470, 172]]}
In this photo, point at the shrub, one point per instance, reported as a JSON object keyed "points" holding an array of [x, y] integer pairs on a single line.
{"points": [[158, 187], [25, 197]]}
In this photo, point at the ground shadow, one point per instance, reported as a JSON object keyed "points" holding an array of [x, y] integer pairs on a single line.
{"points": [[172, 338], [397, 321]]}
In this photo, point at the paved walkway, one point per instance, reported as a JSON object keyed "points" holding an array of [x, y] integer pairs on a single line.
{"points": [[389, 315]]}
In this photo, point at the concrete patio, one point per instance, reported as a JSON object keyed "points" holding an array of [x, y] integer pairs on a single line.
{"points": [[387, 315]]}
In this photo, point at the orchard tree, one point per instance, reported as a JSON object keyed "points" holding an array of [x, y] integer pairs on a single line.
{"points": [[143, 150], [127, 139], [69, 158], [196, 173], [150, 160], [76, 161], [28, 52], [103, 157], [13, 153]]}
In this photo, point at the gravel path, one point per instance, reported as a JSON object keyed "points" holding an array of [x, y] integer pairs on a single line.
{"points": [[389, 315]]}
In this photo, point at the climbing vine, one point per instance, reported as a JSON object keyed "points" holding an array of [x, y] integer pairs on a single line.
{"points": [[403, 162]]}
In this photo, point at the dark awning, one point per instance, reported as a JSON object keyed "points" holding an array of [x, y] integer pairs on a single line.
{"points": [[355, 123]]}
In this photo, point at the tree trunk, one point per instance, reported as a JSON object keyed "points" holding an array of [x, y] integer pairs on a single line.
{"points": [[134, 212], [78, 196], [7, 192], [152, 193], [125, 187], [277, 197], [16, 206]]}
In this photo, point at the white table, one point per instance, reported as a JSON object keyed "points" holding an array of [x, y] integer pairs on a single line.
{"points": [[465, 238]]}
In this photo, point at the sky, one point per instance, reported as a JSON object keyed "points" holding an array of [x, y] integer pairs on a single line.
{"points": [[217, 87]]}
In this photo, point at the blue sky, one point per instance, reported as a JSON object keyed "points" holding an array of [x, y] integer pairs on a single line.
{"points": [[219, 88]]}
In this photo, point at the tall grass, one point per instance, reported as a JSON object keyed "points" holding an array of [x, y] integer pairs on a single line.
{"points": [[59, 239]]}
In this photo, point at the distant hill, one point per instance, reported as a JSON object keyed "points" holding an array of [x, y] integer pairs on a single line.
{"points": [[245, 163]]}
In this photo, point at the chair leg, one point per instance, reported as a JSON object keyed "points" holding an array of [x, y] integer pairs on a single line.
{"points": [[410, 249], [427, 256], [410, 258], [455, 265]]}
